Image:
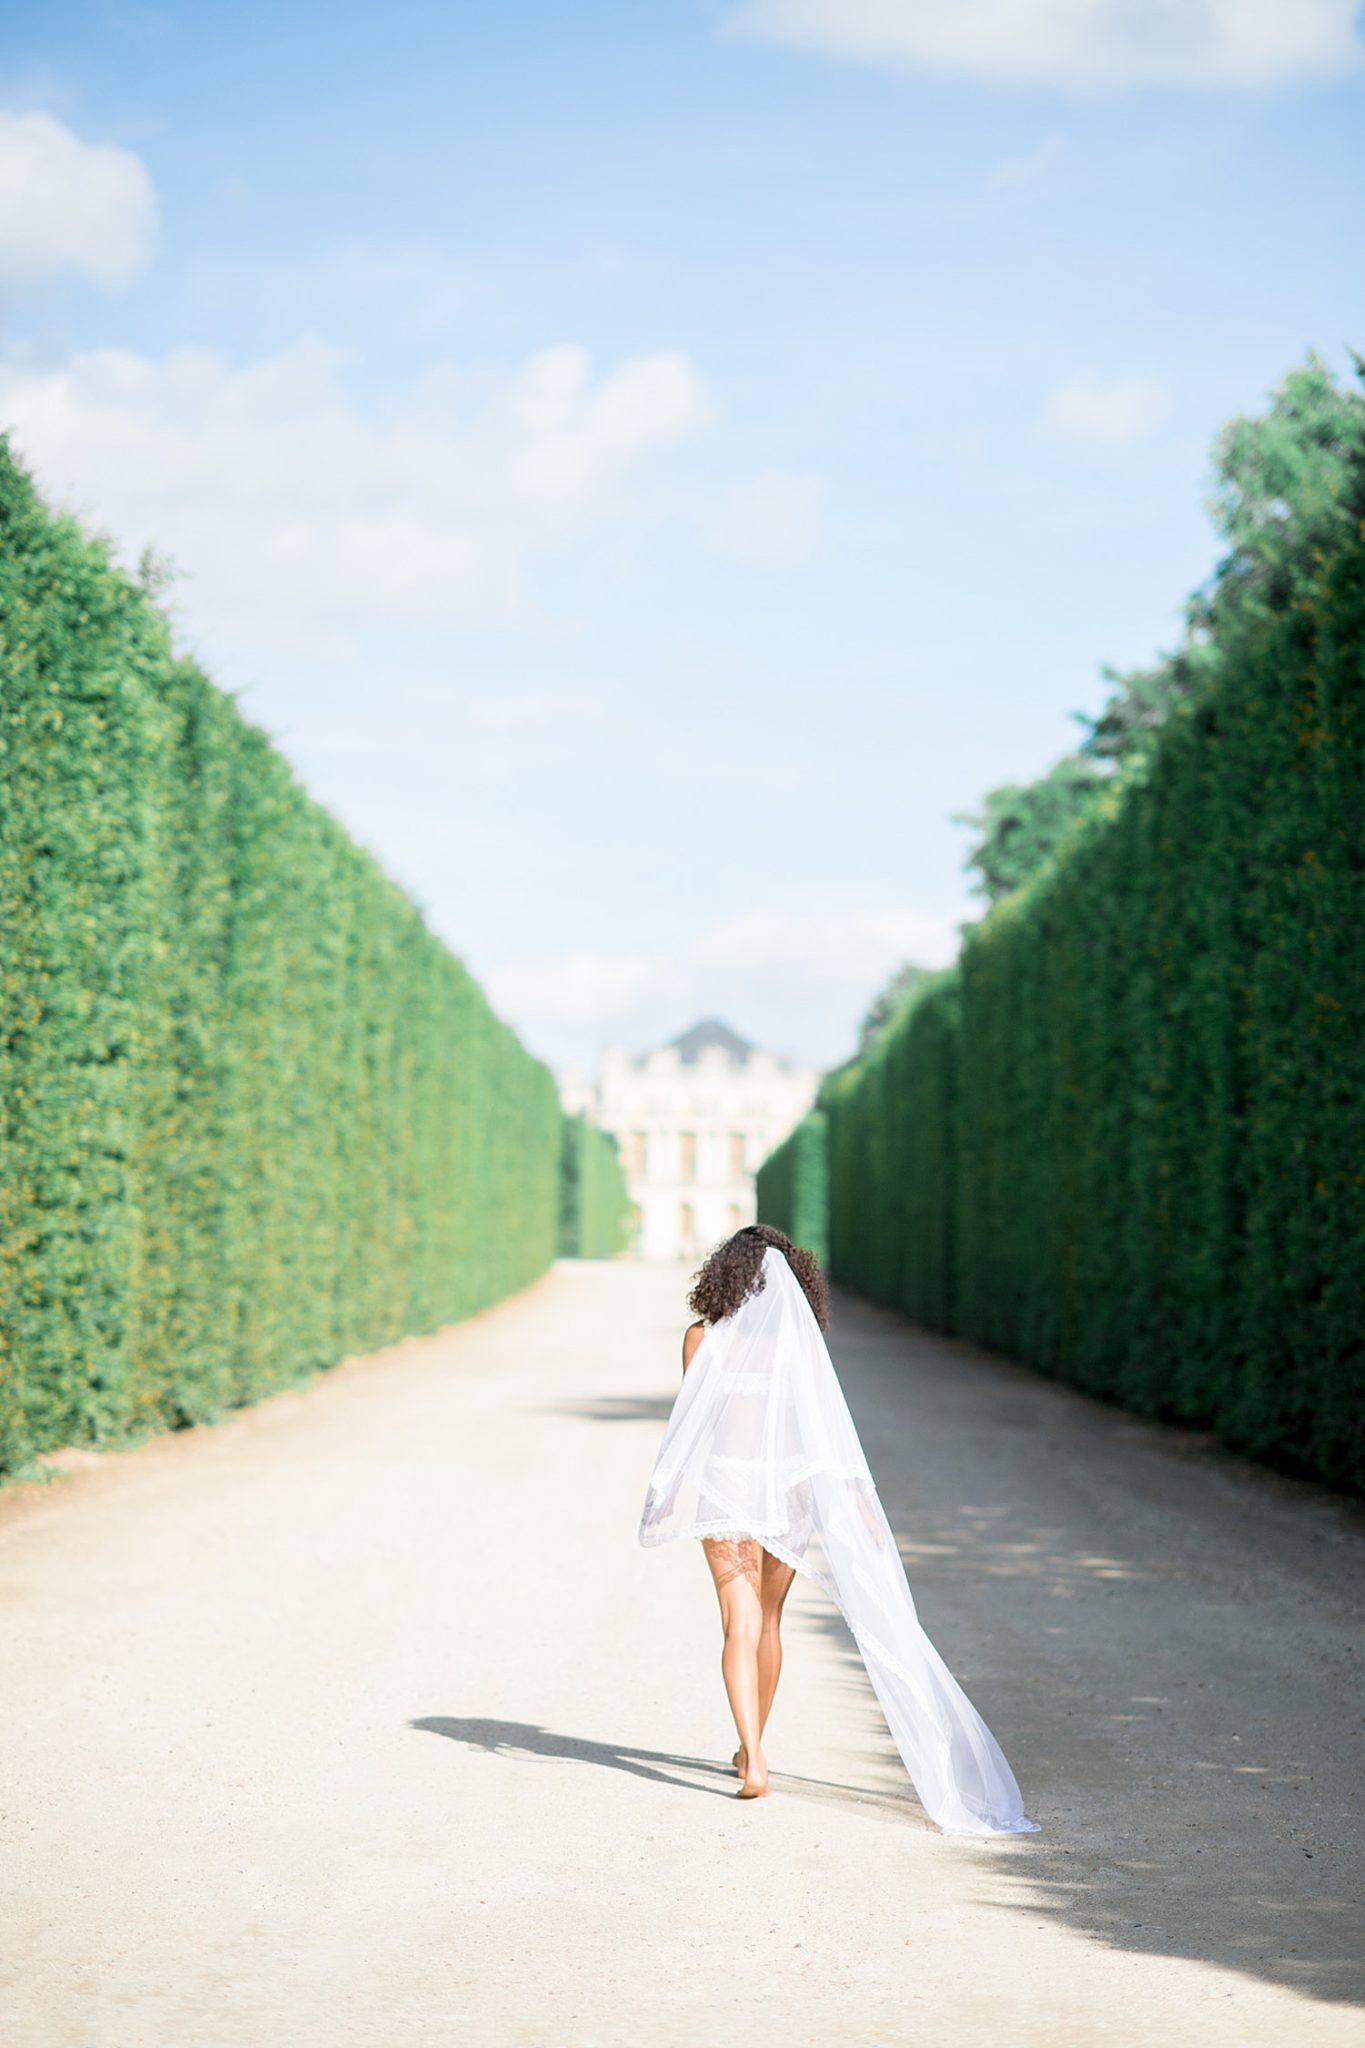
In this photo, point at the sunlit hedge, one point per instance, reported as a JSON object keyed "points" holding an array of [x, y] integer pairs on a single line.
{"points": [[1125, 1141], [594, 1205], [793, 1186], [255, 1116]]}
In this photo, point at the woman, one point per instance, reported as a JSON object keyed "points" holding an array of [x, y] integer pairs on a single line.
{"points": [[761, 1461]]}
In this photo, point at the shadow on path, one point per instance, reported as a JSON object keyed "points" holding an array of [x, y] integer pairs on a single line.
{"points": [[525, 1738], [1165, 1641], [615, 1408], [1153, 1841], [1166, 1644]]}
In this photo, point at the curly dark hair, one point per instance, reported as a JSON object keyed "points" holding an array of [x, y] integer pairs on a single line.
{"points": [[734, 1271]]}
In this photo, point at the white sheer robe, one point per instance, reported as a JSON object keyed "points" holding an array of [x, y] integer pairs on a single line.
{"points": [[760, 1444]]}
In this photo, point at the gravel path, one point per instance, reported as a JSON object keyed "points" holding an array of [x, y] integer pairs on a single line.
{"points": [[363, 1718]]}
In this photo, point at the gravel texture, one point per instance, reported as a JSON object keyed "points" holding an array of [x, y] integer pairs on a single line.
{"points": [[362, 1717]]}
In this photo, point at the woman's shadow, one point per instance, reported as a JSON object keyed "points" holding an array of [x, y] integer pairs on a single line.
{"points": [[525, 1738]]}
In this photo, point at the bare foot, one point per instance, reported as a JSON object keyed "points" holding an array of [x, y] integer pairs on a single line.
{"points": [[737, 1760], [755, 1784]]}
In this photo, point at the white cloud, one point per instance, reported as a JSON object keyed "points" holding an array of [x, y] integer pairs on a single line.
{"points": [[1108, 414], [298, 507], [774, 519], [69, 208], [570, 988], [1075, 44], [798, 981]]}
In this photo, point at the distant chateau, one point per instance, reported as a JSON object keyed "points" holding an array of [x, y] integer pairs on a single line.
{"points": [[694, 1120]]}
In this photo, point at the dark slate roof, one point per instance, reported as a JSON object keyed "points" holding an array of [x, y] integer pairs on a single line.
{"points": [[689, 1044]]}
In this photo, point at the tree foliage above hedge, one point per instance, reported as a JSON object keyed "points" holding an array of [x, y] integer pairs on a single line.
{"points": [[1281, 483], [1125, 1139]]}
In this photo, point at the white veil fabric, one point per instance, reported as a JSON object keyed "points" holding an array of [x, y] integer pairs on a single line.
{"points": [[760, 1444]]}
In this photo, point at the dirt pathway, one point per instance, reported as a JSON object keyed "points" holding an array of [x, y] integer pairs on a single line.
{"points": [[363, 1718]]}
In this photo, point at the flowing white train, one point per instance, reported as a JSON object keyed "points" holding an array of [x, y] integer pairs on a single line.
{"points": [[760, 1444]]}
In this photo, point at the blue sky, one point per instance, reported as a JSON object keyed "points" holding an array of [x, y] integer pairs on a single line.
{"points": [[650, 466]]}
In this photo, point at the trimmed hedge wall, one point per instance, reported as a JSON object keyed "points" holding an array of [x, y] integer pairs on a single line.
{"points": [[894, 1114], [594, 1215], [1125, 1140], [793, 1186], [254, 1116]]}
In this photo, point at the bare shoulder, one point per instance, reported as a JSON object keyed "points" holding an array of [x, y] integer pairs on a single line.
{"points": [[691, 1339]]}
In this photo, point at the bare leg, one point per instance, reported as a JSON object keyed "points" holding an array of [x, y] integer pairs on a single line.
{"points": [[774, 1586], [773, 1590], [736, 1568]]}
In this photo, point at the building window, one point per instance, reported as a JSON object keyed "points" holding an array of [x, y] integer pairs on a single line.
{"points": [[736, 1155], [687, 1156], [635, 1154], [685, 1225]]}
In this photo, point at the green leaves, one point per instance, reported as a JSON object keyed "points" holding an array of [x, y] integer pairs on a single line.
{"points": [[1123, 1140], [1283, 495], [594, 1206], [1022, 825], [793, 1185], [253, 1115]]}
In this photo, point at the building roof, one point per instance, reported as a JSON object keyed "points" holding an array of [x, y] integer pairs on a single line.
{"points": [[690, 1044]]}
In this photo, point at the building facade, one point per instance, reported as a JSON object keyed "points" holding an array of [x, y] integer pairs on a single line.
{"points": [[694, 1120]]}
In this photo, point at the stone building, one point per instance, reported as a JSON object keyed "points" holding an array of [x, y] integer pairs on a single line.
{"points": [[694, 1120]]}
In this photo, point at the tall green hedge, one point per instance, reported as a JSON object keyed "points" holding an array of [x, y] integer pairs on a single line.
{"points": [[1125, 1139], [891, 1120], [594, 1204], [254, 1116], [793, 1186]]}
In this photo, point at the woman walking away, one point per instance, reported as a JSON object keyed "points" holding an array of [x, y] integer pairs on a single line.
{"points": [[761, 1461]]}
